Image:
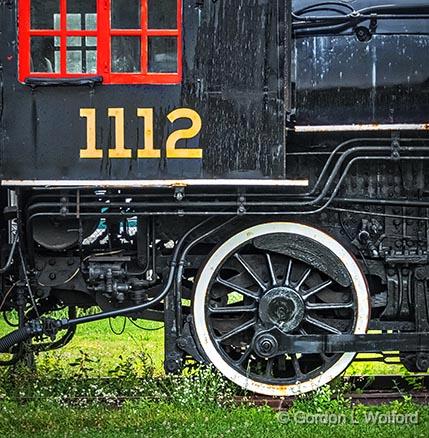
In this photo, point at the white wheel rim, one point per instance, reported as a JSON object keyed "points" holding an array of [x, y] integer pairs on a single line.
{"points": [[217, 258]]}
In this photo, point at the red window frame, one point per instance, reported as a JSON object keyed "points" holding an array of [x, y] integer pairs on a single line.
{"points": [[104, 34]]}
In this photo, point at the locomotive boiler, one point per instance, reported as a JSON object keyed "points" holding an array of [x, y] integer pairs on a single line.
{"points": [[251, 172]]}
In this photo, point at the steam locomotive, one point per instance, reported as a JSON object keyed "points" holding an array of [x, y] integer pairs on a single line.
{"points": [[251, 172]]}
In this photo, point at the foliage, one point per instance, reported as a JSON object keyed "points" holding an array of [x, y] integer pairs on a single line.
{"points": [[68, 394], [136, 401], [143, 418], [133, 377]]}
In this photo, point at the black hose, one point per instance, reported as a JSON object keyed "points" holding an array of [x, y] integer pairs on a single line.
{"points": [[16, 337]]}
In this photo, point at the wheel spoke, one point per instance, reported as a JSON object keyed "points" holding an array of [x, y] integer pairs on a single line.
{"points": [[303, 278], [288, 274], [244, 356], [251, 272], [322, 325], [232, 309], [269, 367], [271, 270], [308, 293], [239, 289], [329, 306], [324, 357], [296, 366], [241, 328]]}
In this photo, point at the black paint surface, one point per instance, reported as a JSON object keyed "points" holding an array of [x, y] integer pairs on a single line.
{"points": [[233, 76], [234, 64]]}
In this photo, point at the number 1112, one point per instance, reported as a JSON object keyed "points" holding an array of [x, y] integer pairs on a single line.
{"points": [[149, 151]]}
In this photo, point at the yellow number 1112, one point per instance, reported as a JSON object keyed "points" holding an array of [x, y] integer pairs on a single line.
{"points": [[149, 150]]}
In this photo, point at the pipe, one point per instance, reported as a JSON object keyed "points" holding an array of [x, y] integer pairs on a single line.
{"points": [[36, 327], [8, 264]]}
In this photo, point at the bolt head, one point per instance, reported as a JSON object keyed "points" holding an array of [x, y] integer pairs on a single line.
{"points": [[181, 343]]}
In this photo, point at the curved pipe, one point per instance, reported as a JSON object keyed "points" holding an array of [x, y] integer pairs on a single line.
{"points": [[8, 264], [181, 265], [345, 156]]}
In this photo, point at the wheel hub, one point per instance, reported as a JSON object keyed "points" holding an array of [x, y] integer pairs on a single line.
{"points": [[282, 307]]}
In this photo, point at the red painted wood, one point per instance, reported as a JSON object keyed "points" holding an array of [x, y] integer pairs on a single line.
{"points": [[104, 34], [63, 29], [24, 39]]}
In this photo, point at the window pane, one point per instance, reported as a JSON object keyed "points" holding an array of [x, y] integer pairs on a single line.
{"points": [[80, 57], [74, 42], [42, 13], [91, 61], [162, 14], [162, 55], [74, 61], [91, 24], [126, 54], [57, 24], [43, 55], [125, 14], [74, 22]]}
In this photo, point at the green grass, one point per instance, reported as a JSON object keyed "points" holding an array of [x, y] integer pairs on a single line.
{"points": [[166, 420], [98, 341], [375, 369], [201, 405], [61, 398], [195, 408]]}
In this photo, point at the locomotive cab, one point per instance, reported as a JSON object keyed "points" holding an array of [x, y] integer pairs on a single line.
{"points": [[145, 91]]}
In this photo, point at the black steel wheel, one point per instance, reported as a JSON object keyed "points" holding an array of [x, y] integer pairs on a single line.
{"points": [[248, 286]]}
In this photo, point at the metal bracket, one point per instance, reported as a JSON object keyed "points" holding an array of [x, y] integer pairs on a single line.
{"points": [[421, 295], [186, 343], [179, 194], [396, 146], [241, 209]]}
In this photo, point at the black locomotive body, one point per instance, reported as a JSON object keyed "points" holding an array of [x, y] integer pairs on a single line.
{"points": [[252, 173]]}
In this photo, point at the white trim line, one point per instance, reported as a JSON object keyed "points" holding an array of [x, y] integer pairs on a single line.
{"points": [[358, 127], [156, 183]]}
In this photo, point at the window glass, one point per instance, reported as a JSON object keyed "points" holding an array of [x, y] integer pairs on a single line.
{"points": [[91, 24], [126, 54], [74, 21], [162, 14], [91, 61], [162, 55], [43, 58], [42, 13], [74, 61], [125, 14], [74, 42]]}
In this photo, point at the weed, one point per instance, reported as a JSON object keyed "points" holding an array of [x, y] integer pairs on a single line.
{"points": [[84, 364]]}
